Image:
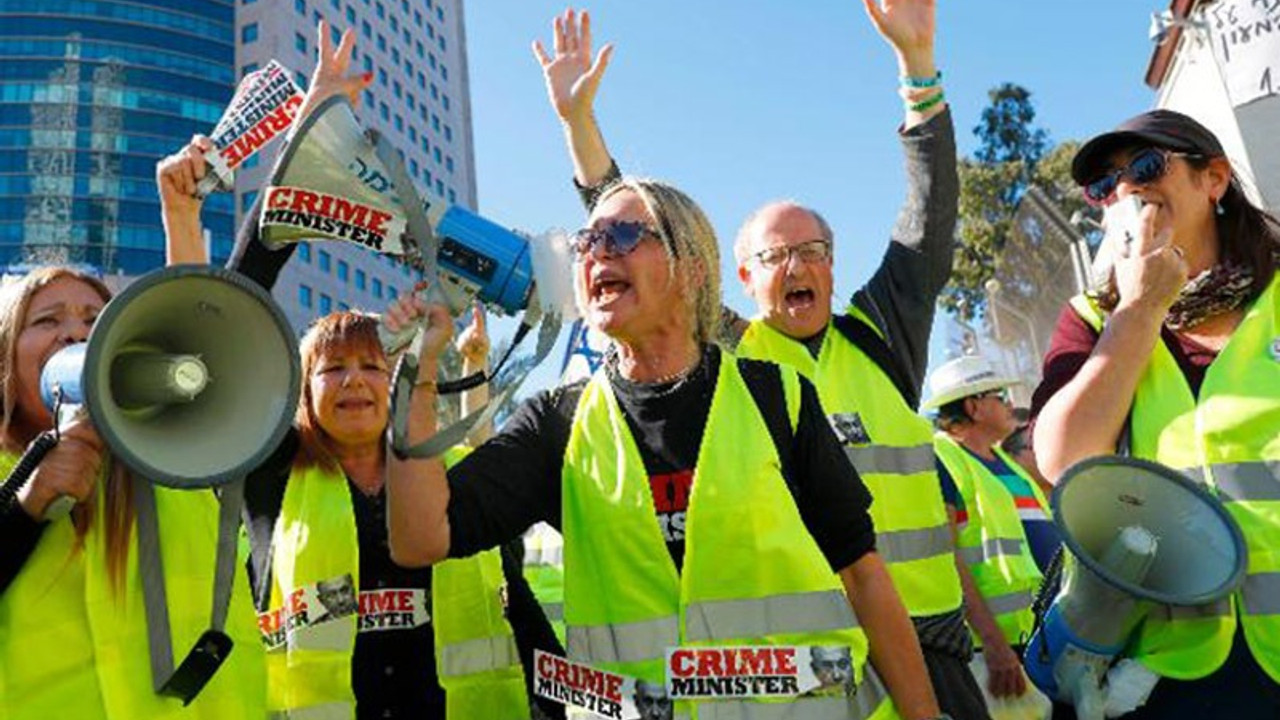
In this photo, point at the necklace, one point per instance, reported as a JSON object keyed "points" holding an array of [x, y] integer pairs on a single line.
{"points": [[670, 378]]}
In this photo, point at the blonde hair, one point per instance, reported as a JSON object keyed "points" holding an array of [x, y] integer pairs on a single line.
{"points": [[117, 510], [344, 331], [693, 253], [746, 232]]}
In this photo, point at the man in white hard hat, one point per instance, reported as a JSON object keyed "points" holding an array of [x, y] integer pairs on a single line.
{"points": [[1004, 536]]}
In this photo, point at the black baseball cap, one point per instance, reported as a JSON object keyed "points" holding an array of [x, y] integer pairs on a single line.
{"points": [[1162, 128]]}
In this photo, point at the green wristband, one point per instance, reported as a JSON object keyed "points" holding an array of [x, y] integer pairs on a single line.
{"points": [[926, 104]]}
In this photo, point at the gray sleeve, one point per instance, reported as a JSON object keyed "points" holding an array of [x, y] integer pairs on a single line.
{"points": [[901, 295], [589, 194]]}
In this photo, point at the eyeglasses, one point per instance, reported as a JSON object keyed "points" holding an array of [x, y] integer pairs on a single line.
{"points": [[617, 239], [1145, 167], [810, 251]]}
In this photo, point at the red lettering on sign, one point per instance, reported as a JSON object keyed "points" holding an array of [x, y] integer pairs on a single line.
{"points": [[784, 660], [682, 662]]}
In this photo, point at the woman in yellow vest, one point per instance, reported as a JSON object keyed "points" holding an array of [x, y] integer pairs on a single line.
{"points": [[704, 500], [1180, 355], [73, 626]]}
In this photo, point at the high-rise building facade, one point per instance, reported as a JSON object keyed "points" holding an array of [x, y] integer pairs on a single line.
{"points": [[92, 94], [419, 100]]}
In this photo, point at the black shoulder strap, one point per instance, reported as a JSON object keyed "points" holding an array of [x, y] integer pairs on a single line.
{"points": [[764, 381], [866, 339]]}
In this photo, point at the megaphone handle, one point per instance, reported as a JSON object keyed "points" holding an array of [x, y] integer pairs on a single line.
{"points": [[21, 474]]}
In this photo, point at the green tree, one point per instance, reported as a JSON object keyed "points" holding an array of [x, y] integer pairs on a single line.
{"points": [[1013, 155]]}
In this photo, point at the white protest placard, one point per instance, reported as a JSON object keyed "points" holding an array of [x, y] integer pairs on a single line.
{"points": [[262, 109], [1246, 43]]}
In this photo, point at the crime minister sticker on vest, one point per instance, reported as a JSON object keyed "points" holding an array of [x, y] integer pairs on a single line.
{"points": [[705, 673], [600, 692]]}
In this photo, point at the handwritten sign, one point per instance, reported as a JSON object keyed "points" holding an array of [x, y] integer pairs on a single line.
{"points": [[1246, 44]]}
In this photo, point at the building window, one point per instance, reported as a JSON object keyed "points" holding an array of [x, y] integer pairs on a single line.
{"points": [[343, 307], [431, 31], [395, 24], [413, 103], [399, 123], [246, 200], [444, 72], [324, 262], [300, 43], [304, 252], [300, 80], [384, 111], [382, 43], [435, 92], [360, 278], [395, 89], [439, 13], [413, 164], [395, 56], [436, 154], [252, 161], [351, 15], [382, 76], [413, 133], [405, 35], [382, 12], [304, 296], [343, 270], [300, 7], [441, 41], [335, 36], [453, 197], [392, 292], [444, 102], [448, 163], [251, 67], [377, 289], [439, 187], [431, 60], [368, 98], [448, 134], [249, 33], [366, 29], [422, 80], [326, 304], [368, 63], [336, 5], [417, 18]]}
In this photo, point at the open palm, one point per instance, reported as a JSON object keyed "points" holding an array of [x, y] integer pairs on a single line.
{"points": [[908, 25], [571, 76]]}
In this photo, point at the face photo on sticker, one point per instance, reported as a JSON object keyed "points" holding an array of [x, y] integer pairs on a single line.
{"points": [[832, 666], [849, 429], [338, 596], [652, 702]]}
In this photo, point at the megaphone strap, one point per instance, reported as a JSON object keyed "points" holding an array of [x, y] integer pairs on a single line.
{"points": [[407, 374], [211, 649]]}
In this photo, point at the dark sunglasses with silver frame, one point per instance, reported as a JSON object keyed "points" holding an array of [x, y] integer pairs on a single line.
{"points": [[1146, 166], [616, 239]]}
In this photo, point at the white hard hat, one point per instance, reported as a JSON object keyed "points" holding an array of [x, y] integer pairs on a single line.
{"points": [[962, 377]]}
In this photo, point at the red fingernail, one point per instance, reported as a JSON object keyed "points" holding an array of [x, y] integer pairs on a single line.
{"points": [[367, 77]]}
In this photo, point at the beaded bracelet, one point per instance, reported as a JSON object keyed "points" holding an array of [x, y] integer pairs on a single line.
{"points": [[911, 96], [921, 82], [926, 104]]}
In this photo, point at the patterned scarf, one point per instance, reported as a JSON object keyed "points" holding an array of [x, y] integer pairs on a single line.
{"points": [[1219, 289]]}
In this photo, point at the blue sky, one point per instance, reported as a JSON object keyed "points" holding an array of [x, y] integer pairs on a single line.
{"points": [[742, 102]]}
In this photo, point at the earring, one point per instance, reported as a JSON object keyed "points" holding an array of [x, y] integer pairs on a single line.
{"points": [[1217, 207]]}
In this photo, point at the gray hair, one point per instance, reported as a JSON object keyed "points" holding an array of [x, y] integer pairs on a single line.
{"points": [[742, 243]]}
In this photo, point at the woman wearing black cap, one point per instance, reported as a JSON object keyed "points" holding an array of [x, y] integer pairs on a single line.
{"points": [[1183, 345]]}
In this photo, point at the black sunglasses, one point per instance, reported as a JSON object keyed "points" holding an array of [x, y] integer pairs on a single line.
{"points": [[1145, 167], [616, 239]]}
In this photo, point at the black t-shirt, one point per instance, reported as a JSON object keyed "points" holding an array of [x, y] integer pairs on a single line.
{"points": [[513, 481], [393, 666]]}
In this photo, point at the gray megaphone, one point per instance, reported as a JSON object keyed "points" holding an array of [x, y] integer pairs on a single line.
{"points": [[338, 181], [190, 375], [1138, 535]]}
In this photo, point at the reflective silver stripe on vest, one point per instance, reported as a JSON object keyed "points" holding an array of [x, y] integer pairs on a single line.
{"points": [[623, 642], [885, 460], [1261, 593], [1256, 481], [796, 613], [479, 655], [1193, 612], [553, 611], [328, 711], [1009, 602], [899, 546], [870, 695], [332, 635], [991, 549]]}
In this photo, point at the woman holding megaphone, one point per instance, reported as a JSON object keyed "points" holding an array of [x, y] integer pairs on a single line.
{"points": [[350, 633], [73, 622], [1177, 360]]}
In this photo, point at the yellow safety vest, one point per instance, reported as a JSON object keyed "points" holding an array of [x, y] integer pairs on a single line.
{"points": [[895, 461], [315, 540], [752, 573], [993, 543], [1228, 439], [544, 570], [72, 646]]}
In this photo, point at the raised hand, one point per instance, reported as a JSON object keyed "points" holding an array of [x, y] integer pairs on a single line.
{"points": [[473, 342], [406, 310], [572, 77], [177, 177], [907, 25], [330, 77]]}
